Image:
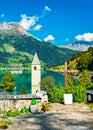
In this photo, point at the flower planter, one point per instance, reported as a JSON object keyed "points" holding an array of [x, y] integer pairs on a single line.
{"points": [[68, 98], [34, 108]]}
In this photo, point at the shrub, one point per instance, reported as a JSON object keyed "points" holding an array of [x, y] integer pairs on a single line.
{"points": [[1, 112], [6, 120], [55, 94], [45, 106], [25, 110], [90, 105], [79, 93], [3, 125], [13, 113]]}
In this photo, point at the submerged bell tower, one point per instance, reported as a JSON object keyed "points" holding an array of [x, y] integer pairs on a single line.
{"points": [[36, 74]]}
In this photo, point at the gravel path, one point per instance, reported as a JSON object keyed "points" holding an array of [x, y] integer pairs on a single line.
{"points": [[54, 121], [62, 117]]}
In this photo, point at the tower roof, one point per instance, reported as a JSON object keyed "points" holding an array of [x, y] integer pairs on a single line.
{"points": [[35, 60]]}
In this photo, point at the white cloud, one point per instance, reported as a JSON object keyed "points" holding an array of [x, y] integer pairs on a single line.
{"points": [[78, 47], [28, 21], [37, 27], [47, 8], [85, 37], [45, 11], [2, 15], [49, 38]]}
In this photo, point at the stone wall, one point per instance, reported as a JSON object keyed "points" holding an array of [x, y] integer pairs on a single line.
{"points": [[18, 102]]}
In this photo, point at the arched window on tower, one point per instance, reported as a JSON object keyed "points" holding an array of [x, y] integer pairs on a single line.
{"points": [[35, 68]]}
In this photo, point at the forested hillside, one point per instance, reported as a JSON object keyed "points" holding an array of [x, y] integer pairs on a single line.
{"points": [[17, 46], [83, 60]]}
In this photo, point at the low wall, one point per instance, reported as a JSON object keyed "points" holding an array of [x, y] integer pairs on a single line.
{"points": [[17, 101]]}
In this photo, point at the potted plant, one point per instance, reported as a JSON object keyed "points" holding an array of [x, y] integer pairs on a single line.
{"points": [[34, 105]]}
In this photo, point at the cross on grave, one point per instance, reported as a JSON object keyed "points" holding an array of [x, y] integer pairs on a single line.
{"points": [[65, 71]]}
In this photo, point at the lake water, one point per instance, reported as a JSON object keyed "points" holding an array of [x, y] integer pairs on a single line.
{"points": [[24, 79]]}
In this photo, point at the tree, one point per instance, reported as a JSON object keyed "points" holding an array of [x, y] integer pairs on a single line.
{"points": [[71, 81], [85, 79], [83, 61], [47, 82], [90, 67], [90, 49], [8, 82], [23, 90]]}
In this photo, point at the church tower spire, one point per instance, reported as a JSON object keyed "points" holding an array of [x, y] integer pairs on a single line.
{"points": [[36, 74]]}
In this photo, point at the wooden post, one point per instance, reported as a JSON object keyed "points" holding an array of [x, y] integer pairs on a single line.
{"points": [[65, 71], [65, 74]]}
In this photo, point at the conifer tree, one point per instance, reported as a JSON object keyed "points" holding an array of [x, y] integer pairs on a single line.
{"points": [[23, 90], [8, 82]]}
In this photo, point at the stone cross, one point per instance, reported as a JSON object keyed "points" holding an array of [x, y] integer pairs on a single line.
{"points": [[65, 71]]}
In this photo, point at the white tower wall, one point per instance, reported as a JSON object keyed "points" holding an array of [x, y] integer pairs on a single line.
{"points": [[36, 74]]}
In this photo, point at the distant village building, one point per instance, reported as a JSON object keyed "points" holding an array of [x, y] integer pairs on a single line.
{"points": [[36, 74]]}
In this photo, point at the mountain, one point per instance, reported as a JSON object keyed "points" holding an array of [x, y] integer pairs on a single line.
{"points": [[78, 46], [82, 60], [18, 46]]}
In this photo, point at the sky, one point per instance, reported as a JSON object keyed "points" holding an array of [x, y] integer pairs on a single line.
{"points": [[56, 21]]}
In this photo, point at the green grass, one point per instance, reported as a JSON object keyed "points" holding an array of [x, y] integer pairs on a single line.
{"points": [[57, 67]]}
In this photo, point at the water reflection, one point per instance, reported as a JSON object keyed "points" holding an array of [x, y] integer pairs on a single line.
{"points": [[24, 79]]}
